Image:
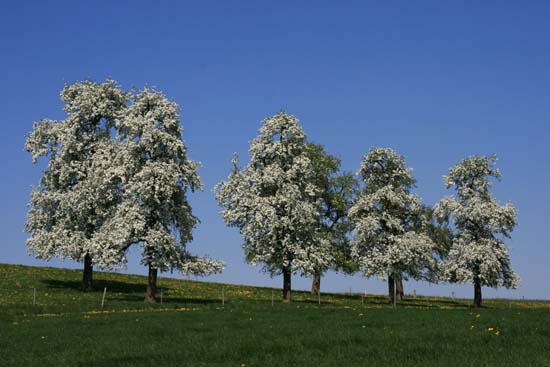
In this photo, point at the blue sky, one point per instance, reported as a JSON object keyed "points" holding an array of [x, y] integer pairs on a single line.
{"points": [[437, 81]]}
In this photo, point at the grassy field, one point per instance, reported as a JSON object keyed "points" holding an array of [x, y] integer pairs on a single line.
{"points": [[191, 328]]}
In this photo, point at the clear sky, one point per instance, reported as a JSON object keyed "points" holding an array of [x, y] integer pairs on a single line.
{"points": [[436, 80]]}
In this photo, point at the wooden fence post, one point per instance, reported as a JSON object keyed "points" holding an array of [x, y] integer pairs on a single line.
{"points": [[103, 298]]}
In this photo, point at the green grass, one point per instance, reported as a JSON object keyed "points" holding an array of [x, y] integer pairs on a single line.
{"points": [[69, 328]]}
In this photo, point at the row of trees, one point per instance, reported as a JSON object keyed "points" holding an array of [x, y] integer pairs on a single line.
{"points": [[298, 214], [118, 176]]}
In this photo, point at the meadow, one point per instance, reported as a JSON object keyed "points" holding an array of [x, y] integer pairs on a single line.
{"points": [[65, 327]]}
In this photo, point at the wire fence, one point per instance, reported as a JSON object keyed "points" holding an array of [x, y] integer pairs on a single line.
{"points": [[48, 298], [56, 300]]}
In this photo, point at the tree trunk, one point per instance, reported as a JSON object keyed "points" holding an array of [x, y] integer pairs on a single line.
{"points": [[287, 278], [400, 291], [316, 284], [151, 295], [477, 292], [87, 274], [391, 289]]}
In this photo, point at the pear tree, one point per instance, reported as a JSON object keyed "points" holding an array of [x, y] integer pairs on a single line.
{"points": [[154, 212], [480, 225], [274, 202], [388, 239], [79, 189]]}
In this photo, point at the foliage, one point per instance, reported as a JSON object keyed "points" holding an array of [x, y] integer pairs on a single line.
{"points": [[337, 191], [442, 238]]}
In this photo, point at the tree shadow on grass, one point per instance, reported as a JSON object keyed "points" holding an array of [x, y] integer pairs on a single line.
{"points": [[432, 304], [99, 285], [127, 292], [166, 300]]}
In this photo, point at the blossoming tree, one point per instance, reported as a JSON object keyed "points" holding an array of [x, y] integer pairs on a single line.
{"points": [[273, 201], [78, 191], [154, 211], [478, 253], [387, 217]]}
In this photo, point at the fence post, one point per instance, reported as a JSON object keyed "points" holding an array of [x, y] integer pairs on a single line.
{"points": [[319, 297], [272, 298], [223, 296], [394, 292], [103, 298], [161, 296], [34, 296]]}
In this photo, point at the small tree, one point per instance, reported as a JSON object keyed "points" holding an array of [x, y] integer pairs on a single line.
{"points": [[273, 202], [336, 194], [78, 191], [155, 212], [442, 237], [478, 254], [387, 216]]}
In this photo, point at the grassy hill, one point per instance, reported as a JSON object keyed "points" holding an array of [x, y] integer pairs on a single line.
{"points": [[66, 327]]}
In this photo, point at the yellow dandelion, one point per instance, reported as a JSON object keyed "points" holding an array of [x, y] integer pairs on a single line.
{"points": [[497, 333], [490, 329]]}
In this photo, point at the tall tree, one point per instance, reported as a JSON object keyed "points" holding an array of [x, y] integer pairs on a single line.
{"points": [[336, 194], [387, 216], [79, 189], [272, 200], [155, 212], [478, 253]]}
